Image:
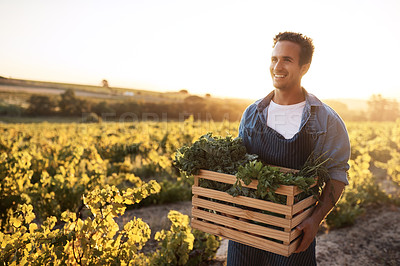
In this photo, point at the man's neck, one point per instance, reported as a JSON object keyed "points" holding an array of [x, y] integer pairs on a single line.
{"points": [[288, 97]]}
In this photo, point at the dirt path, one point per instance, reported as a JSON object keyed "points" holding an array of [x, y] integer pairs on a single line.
{"points": [[373, 240]]}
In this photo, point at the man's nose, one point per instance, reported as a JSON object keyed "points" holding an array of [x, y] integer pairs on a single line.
{"points": [[278, 65]]}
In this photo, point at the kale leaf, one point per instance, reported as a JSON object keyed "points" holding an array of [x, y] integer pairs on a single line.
{"points": [[228, 155]]}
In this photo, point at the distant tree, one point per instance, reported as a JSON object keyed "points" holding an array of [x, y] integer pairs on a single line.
{"points": [[346, 113], [70, 105], [184, 91], [41, 105], [104, 83], [341, 108], [208, 95], [196, 100], [337, 106], [126, 108], [102, 108], [382, 109], [195, 105], [11, 109]]}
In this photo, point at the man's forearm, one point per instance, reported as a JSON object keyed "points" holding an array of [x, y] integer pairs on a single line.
{"points": [[330, 195]]}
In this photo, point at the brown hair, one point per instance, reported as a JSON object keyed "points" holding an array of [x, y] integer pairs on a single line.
{"points": [[306, 44]]}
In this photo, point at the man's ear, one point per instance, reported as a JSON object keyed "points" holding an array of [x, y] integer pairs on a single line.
{"points": [[305, 68]]}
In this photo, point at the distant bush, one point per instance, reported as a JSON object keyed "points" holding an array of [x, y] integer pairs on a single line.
{"points": [[11, 109], [130, 109], [102, 108], [383, 109], [41, 105], [91, 118], [70, 105]]}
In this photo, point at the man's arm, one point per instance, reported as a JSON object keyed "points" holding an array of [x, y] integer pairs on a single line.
{"points": [[334, 144], [330, 195]]}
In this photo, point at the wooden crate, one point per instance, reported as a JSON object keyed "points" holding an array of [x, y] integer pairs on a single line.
{"points": [[277, 234]]}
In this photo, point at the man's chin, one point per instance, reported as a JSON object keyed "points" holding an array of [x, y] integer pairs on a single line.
{"points": [[280, 87]]}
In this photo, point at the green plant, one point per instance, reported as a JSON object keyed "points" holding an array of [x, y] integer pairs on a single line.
{"points": [[181, 246], [96, 240], [217, 154]]}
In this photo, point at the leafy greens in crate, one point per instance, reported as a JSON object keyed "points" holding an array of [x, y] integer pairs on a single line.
{"points": [[228, 155]]}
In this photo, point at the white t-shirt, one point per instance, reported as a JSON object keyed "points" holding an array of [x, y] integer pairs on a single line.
{"points": [[285, 119]]}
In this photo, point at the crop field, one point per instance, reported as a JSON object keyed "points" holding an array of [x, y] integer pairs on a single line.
{"points": [[63, 185]]}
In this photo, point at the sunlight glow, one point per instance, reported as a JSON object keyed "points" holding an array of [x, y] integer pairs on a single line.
{"points": [[216, 47]]}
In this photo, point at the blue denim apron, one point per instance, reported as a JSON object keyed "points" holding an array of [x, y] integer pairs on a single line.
{"points": [[274, 149]]}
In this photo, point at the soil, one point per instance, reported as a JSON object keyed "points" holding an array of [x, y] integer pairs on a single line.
{"points": [[373, 240]]}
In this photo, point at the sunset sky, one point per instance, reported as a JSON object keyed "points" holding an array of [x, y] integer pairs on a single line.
{"points": [[208, 46]]}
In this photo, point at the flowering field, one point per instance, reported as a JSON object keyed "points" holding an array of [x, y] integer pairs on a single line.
{"points": [[62, 185]]}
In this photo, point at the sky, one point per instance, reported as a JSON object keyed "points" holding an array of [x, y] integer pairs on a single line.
{"points": [[221, 47]]}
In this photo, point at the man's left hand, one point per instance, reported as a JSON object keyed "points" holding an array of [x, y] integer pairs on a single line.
{"points": [[310, 229]]}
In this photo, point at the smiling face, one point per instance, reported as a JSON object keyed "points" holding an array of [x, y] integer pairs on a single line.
{"points": [[286, 72]]}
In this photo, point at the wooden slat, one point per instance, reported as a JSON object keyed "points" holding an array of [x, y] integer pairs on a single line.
{"points": [[238, 212], [231, 179], [241, 225], [294, 234], [300, 217], [196, 183], [245, 201], [305, 203], [293, 246], [241, 237], [290, 200], [242, 230], [220, 177]]}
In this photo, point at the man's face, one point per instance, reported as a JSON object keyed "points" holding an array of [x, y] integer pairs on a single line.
{"points": [[285, 70]]}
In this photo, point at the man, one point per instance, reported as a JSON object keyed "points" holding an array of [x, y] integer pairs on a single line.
{"points": [[284, 128]]}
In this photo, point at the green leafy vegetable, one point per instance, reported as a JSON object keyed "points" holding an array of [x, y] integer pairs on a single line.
{"points": [[227, 155], [217, 154]]}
